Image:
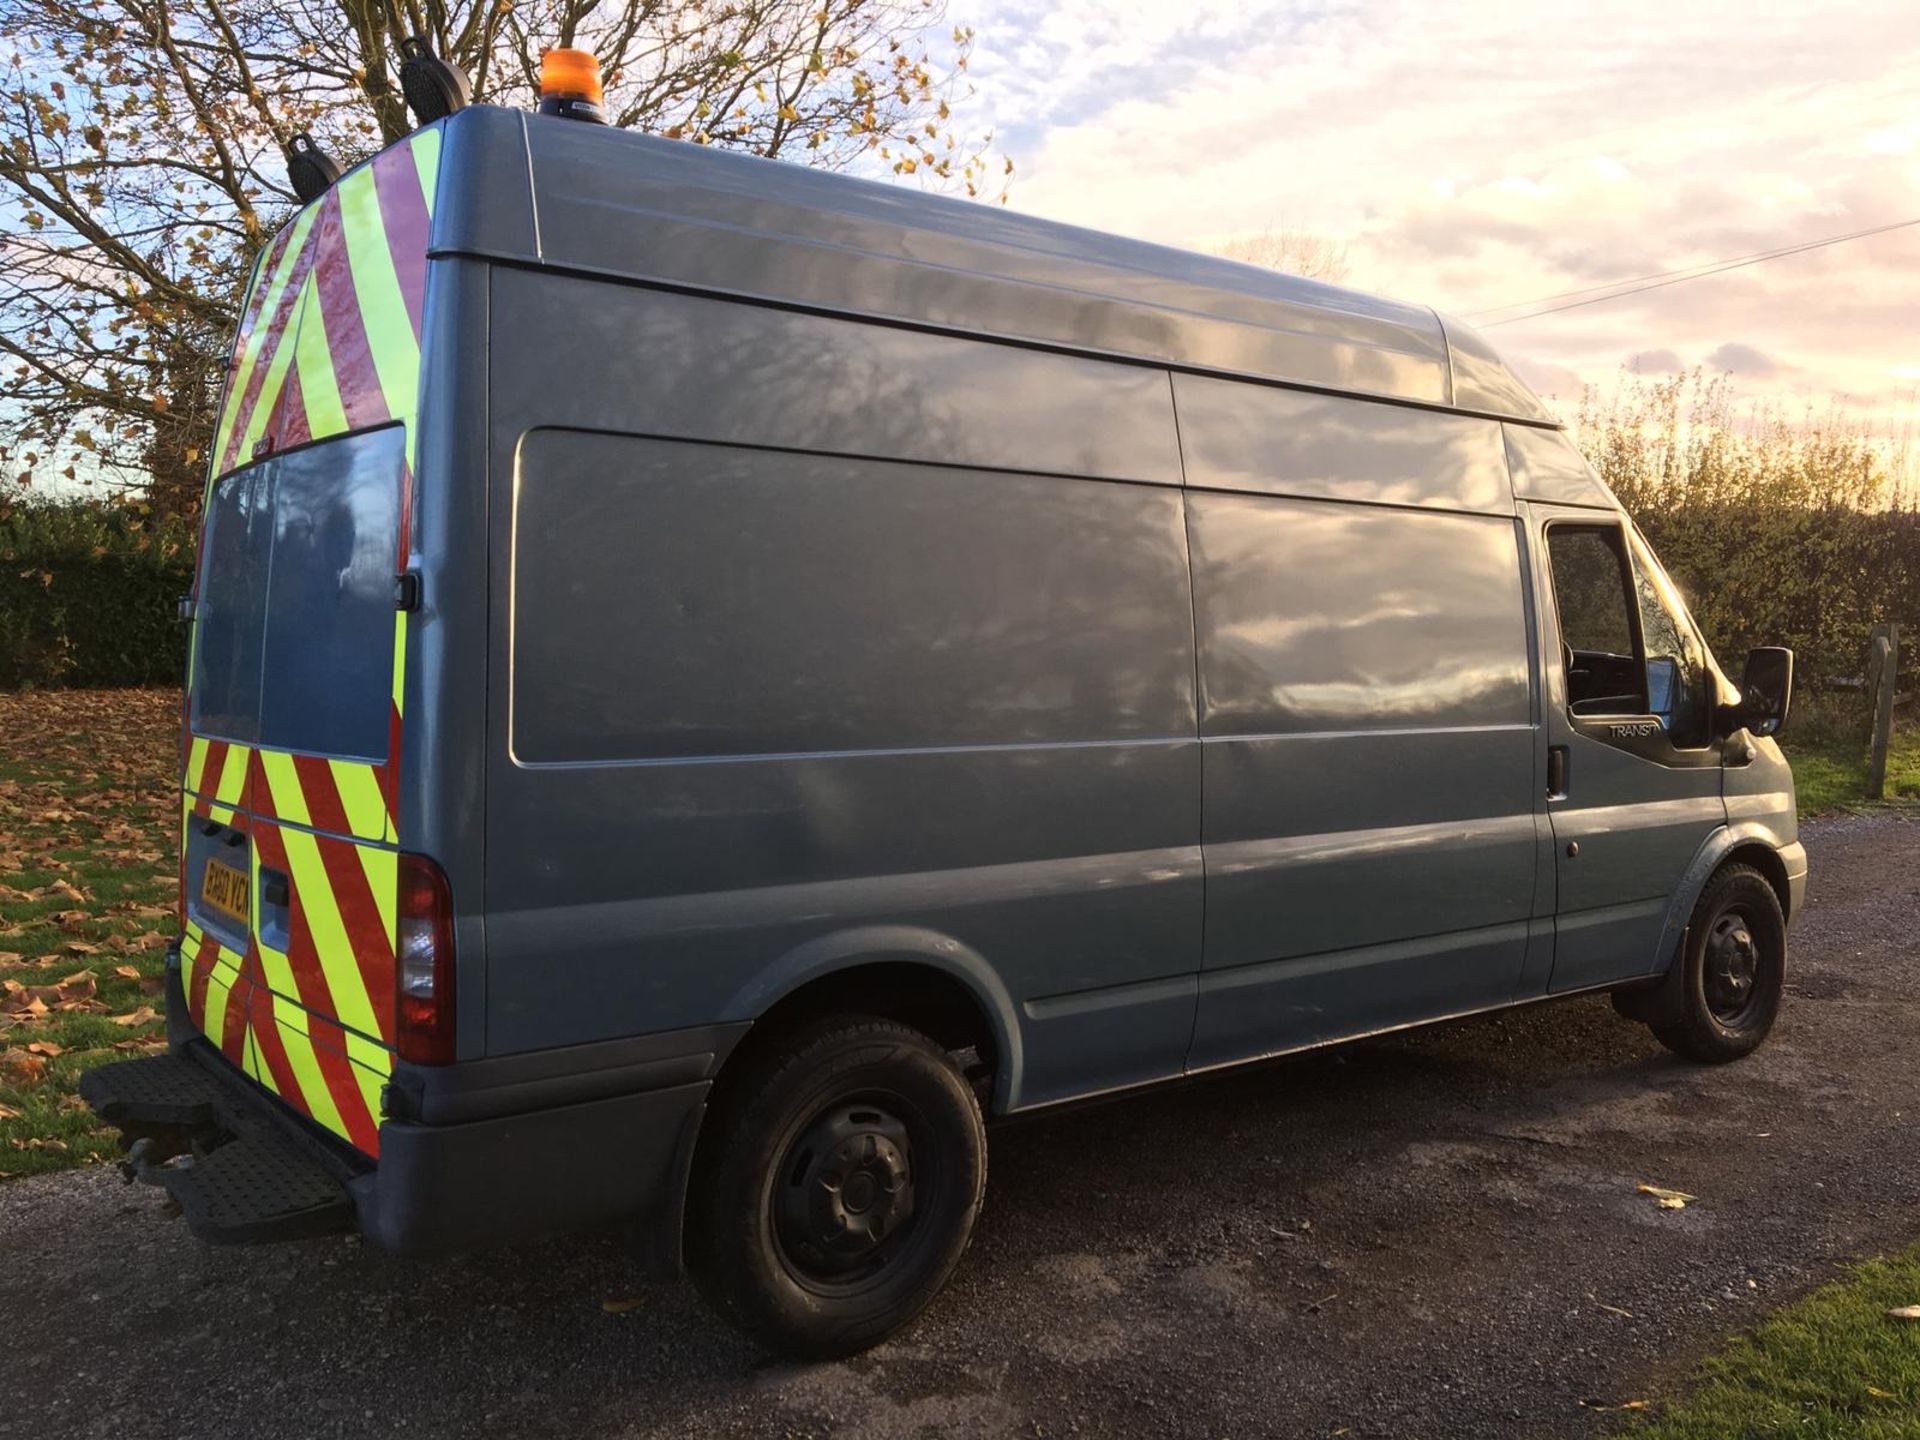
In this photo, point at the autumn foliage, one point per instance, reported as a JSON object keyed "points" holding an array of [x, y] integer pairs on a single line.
{"points": [[141, 165], [87, 878]]}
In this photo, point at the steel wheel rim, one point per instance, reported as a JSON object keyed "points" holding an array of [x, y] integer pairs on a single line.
{"points": [[850, 1195]]}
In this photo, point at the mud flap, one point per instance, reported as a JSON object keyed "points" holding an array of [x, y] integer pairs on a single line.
{"points": [[1661, 1000]]}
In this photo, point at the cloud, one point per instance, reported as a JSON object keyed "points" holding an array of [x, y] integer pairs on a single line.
{"points": [[1555, 382], [1744, 362], [1655, 362], [1478, 154]]}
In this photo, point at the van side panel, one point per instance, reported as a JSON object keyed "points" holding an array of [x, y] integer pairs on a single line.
{"points": [[1260, 438], [939, 699], [1367, 718]]}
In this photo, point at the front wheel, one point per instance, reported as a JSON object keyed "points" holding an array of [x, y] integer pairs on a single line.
{"points": [[1733, 969], [840, 1188]]}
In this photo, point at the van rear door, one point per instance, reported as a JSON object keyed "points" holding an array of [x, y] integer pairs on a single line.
{"points": [[290, 865], [291, 872]]}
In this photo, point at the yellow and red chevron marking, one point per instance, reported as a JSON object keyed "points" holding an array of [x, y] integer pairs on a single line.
{"points": [[305, 1059], [321, 1069], [344, 797], [314, 1022], [339, 956], [322, 1010], [218, 992], [218, 774], [329, 338]]}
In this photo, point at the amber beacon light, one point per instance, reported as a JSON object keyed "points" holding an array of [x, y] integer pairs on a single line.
{"points": [[570, 86]]}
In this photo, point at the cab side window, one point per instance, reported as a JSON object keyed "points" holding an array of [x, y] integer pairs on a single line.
{"points": [[1676, 660], [1594, 596]]}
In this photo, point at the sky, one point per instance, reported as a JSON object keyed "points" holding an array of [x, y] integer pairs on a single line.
{"points": [[1475, 154]]}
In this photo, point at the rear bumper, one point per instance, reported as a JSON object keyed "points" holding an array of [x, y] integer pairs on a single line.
{"points": [[470, 1154], [448, 1187]]}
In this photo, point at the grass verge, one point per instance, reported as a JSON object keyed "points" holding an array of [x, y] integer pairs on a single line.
{"points": [[87, 879], [1832, 1366], [1830, 772]]}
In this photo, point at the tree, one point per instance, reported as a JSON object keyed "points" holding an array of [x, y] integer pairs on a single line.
{"points": [[1297, 252], [141, 164]]}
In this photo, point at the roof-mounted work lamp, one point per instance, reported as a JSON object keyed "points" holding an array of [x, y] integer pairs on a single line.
{"points": [[570, 86]]}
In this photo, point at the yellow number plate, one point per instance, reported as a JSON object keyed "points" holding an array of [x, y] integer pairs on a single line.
{"points": [[225, 889]]}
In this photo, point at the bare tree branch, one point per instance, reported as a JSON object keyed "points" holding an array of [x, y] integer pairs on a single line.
{"points": [[142, 143]]}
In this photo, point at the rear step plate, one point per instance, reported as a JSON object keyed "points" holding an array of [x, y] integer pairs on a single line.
{"points": [[238, 1177]]}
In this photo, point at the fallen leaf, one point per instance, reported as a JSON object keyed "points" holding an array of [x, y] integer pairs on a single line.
{"points": [[47, 1048], [136, 1017], [20, 1067], [1878, 1393], [621, 1307], [7, 1112], [1667, 1199], [126, 972], [1904, 1312]]}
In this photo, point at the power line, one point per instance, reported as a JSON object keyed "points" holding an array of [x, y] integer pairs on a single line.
{"points": [[1619, 289], [1628, 280]]}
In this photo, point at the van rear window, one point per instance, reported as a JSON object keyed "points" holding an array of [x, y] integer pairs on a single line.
{"points": [[295, 642]]}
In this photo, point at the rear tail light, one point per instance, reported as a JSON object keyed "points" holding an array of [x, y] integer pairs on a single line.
{"points": [[423, 963]]}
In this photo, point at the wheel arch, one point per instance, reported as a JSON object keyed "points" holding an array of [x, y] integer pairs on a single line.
{"points": [[1750, 843], [908, 973]]}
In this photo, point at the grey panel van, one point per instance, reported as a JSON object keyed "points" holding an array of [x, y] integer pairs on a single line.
{"points": [[711, 681]]}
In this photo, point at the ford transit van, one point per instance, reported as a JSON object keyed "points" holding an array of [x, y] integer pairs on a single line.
{"points": [[712, 681]]}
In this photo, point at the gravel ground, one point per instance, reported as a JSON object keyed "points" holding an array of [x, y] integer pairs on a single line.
{"points": [[1434, 1235]]}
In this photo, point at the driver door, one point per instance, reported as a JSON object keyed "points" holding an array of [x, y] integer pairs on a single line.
{"points": [[1633, 776]]}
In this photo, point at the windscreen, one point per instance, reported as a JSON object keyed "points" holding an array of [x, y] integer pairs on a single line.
{"points": [[294, 648]]}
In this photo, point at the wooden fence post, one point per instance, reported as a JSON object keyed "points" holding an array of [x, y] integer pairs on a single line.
{"points": [[1882, 669]]}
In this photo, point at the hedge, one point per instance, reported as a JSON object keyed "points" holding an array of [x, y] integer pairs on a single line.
{"points": [[88, 595], [1781, 528]]}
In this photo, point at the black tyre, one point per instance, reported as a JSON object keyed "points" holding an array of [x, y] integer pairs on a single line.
{"points": [[839, 1187], [1734, 968]]}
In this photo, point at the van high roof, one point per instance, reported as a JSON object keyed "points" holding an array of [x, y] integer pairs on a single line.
{"points": [[529, 190]]}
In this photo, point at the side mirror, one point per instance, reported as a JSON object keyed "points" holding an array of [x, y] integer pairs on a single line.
{"points": [[1765, 691]]}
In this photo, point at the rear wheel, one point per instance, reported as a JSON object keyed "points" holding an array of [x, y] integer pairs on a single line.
{"points": [[1734, 967], [846, 1169]]}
